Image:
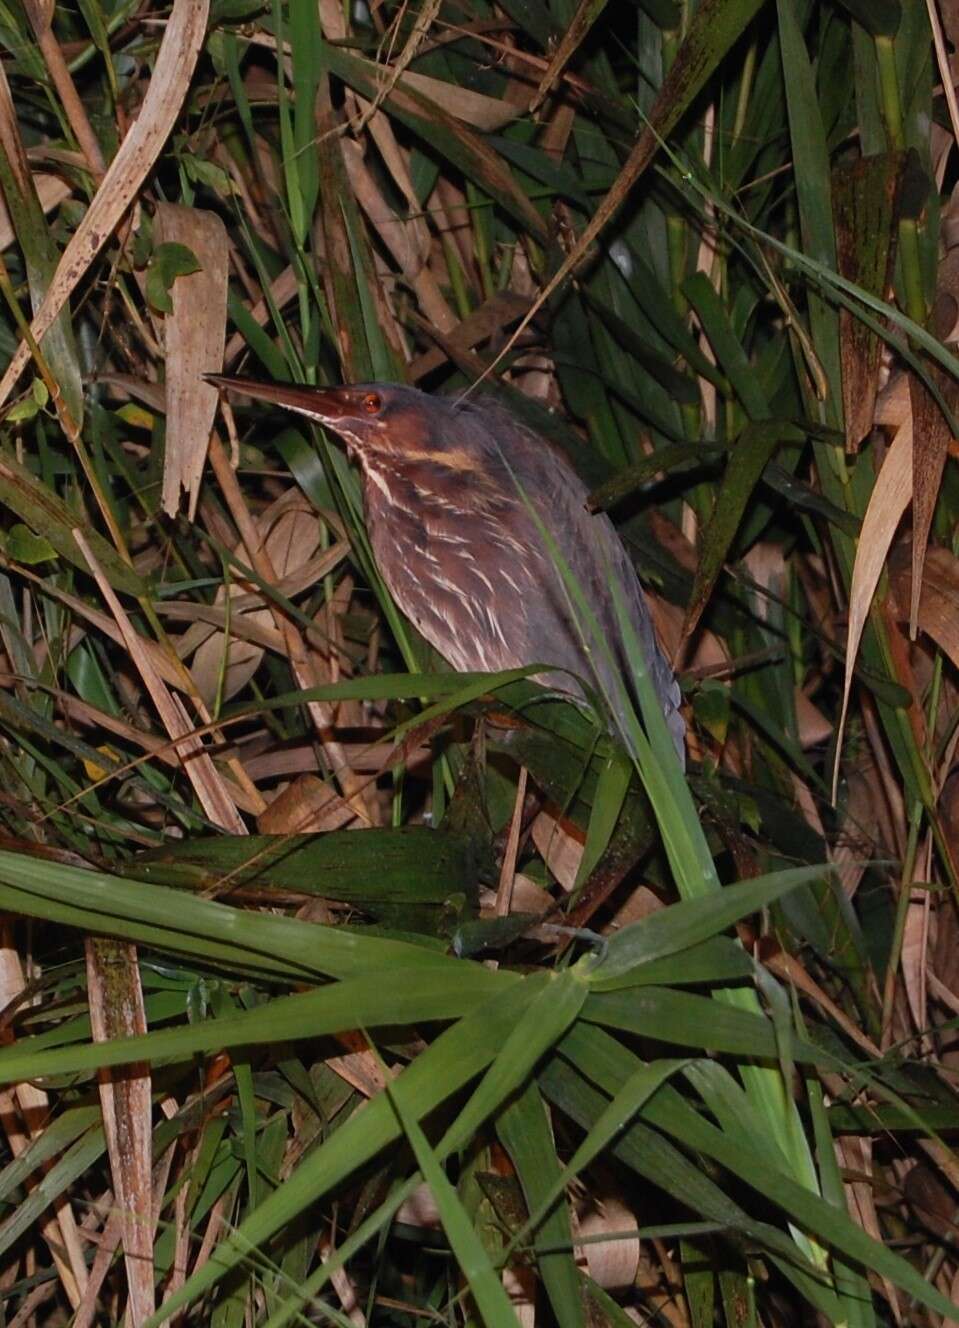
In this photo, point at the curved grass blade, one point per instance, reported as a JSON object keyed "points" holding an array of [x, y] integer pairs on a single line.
{"points": [[487, 1290], [671, 1113], [413, 994], [457, 1056], [526, 1133], [691, 921], [215, 933]]}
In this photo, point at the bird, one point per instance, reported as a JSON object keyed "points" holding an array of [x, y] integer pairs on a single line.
{"points": [[458, 496]]}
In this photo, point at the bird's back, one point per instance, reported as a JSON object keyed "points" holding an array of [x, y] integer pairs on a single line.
{"points": [[549, 515]]}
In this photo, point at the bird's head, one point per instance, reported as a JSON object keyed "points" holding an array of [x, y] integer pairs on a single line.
{"points": [[384, 421]]}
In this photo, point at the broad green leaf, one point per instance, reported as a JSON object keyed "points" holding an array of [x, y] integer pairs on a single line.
{"points": [[216, 933], [40, 254], [168, 261], [688, 923], [747, 460], [50, 519], [611, 792], [525, 1132], [409, 864], [880, 18], [457, 1056], [693, 1021], [726, 345], [645, 1150], [814, 194], [23, 546], [850, 1283], [669, 1112], [419, 994], [485, 1284]]}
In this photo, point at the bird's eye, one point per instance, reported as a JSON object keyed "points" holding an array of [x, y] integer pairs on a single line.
{"points": [[372, 403]]}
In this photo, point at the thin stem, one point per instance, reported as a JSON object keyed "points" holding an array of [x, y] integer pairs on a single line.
{"points": [[899, 929], [891, 103]]}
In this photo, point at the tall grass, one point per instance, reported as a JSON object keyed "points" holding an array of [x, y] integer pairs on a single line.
{"points": [[338, 986]]}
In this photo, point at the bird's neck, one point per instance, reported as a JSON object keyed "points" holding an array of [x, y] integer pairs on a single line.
{"points": [[416, 490]]}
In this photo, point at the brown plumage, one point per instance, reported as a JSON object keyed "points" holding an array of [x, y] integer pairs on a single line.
{"points": [[455, 496]]}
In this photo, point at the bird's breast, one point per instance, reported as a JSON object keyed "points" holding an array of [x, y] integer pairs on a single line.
{"points": [[453, 569]]}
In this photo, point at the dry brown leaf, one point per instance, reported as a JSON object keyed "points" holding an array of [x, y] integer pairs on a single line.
{"points": [[855, 1157], [167, 88], [51, 191], [890, 498], [420, 1209], [577, 29], [387, 76], [915, 948], [332, 19], [242, 792], [865, 193], [949, 12], [281, 291], [946, 75], [893, 404], [808, 805], [519, 1283], [487, 114], [945, 309], [560, 845], [41, 18], [939, 599], [320, 712], [396, 161], [156, 748], [705, 653], [342, 1283], [359, 1067], [931, 439], [557, 131], [208, 617], [640, 903], [289, 534], [195, 338], [673, 540], [400, 237], [115, 1000], [504, 895], [129, 387], [104, 623], [490, 318], [332, 227], [40, 13], [793, 972], [307, 806], [813, 726], [213, 619], [941, 143], [614, 1262], [860, 838], [206, 780]]}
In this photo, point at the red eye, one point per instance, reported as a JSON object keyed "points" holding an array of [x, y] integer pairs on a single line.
{"points": [[372, 403]]}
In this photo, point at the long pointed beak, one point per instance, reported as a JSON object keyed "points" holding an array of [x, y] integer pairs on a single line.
{"points": [[327, 405]]}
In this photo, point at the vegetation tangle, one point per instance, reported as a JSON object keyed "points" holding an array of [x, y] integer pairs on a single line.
{"points": [[340, 987]]}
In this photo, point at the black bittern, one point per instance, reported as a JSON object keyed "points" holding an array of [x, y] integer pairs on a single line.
{"points": [[457, 498]]}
